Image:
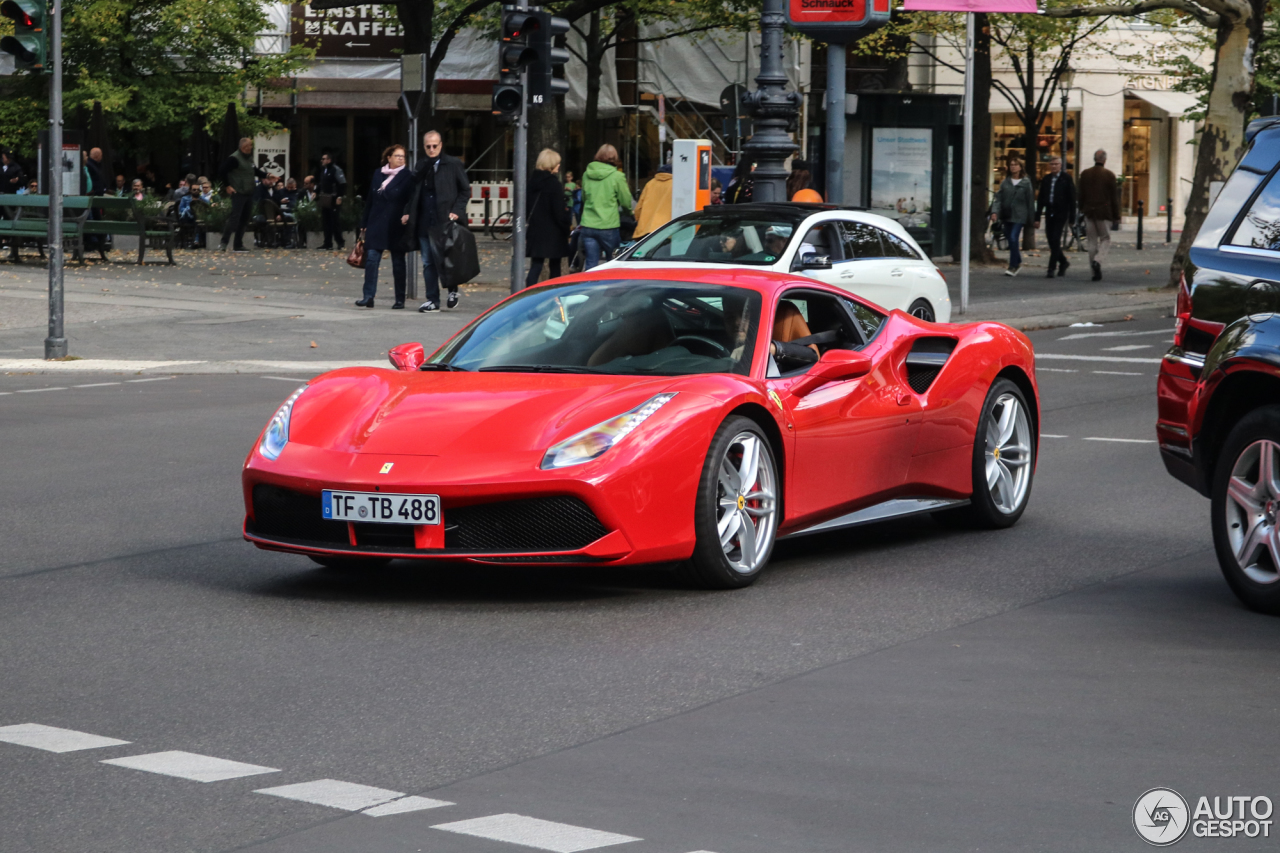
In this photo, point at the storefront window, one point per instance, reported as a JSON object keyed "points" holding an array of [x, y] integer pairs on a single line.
{"points": [[1141, 132], [1008, 139]]}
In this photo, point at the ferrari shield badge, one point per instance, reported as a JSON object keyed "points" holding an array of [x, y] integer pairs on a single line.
{"points": [[386, 468]]}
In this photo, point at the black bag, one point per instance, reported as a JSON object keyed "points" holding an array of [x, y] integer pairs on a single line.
{"points": [[453, 251]]}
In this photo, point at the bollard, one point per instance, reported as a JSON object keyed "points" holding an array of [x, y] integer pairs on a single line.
{"points": [[1139, 225], [1168, 222]]}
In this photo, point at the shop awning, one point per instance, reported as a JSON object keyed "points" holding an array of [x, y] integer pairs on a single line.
{"points": [[1174, 103]]}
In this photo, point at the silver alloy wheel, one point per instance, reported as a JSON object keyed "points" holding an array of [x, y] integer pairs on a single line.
{"points": [[922, 310], [1253, 499], [1008, 453], [746, 492]]}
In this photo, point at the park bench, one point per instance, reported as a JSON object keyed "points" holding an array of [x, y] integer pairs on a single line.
{"points": [[28, 222]]}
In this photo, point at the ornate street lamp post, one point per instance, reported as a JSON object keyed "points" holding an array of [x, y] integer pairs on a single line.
{"points": [[775, 111]]}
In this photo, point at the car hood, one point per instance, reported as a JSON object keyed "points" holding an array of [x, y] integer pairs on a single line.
{"points": [[459, 414]]}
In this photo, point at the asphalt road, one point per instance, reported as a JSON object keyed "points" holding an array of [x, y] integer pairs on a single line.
{"points": [[896, 688]]}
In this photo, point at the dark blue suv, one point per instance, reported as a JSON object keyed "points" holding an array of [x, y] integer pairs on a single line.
{"points": [[1219, 387]]}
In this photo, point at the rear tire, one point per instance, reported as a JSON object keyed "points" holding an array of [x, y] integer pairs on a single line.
{"points": [[352, 564], [922, 310], [1004, 462], [735, 517], [1245, 500]]}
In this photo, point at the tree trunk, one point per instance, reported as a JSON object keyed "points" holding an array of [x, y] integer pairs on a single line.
{"points": [[1032, 120], [1222, 142], [591, 111], [978, 220]]}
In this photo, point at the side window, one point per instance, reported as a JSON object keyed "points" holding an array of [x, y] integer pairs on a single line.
{"points": [[896, 247], [861, 241], [868, 321], [1260, 228], [820, 240]]}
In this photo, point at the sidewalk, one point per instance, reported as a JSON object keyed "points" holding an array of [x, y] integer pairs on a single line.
{"points": [[292, 311]]}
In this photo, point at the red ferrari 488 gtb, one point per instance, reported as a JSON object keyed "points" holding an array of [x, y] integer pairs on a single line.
{"points": [[665, 416]]}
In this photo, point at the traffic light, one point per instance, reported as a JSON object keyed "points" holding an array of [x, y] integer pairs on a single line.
{"points": [[543, 83], [28, 43], [515, 52]]}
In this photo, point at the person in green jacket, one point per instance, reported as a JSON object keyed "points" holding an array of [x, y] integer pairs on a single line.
{"points": [[604, 190], [1015, 204]]}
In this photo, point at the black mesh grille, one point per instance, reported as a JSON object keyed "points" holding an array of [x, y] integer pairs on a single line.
{"points": [[532, 525], [283, 514], [536, 524], [920, 378]]}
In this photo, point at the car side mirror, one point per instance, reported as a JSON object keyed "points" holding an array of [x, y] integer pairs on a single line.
{"points": [[407, 356], [835, 365], [815, 262]]}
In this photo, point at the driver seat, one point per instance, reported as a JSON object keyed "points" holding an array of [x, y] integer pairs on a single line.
{"points": [[789, 324]]}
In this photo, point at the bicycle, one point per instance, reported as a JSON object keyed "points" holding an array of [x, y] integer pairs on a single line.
{"points": [[500, 227]]}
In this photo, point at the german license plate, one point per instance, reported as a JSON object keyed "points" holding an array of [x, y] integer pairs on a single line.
{"points": [[380, 507]]}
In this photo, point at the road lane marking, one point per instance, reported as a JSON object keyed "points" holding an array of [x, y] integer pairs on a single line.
{"points": [[97, 385], [532, 832], [1127, 347], [351, 797], [1055, 370], [1124, 440], [1078, 335], [151, 379], [1119, 359], [283, 378], [189, 765], [53, 739], [38, 390], [1117, 373], [1051, 435], [405, 804]]}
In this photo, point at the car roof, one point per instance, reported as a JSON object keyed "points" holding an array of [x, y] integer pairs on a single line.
{"points": [[790, 209], [765, 281]]}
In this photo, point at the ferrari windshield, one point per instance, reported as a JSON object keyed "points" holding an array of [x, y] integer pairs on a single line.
{"points": [[619, 327], [719, 239]]}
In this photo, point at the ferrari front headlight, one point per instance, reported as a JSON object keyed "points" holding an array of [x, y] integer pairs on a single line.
{"points": [[276, 435], [595, 442]]}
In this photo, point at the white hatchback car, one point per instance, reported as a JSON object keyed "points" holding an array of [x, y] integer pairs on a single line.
{"points": [[869, 255]]}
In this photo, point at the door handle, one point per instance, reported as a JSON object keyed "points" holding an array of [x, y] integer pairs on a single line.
{"points": [[896, 272], [847, 274]]}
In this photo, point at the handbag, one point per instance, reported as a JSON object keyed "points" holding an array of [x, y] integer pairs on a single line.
{"points": [[356, 258]]}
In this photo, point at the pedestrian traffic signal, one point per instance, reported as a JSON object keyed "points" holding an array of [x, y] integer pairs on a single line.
{"points": [[518, 33], [543, 83], [28, 43]]}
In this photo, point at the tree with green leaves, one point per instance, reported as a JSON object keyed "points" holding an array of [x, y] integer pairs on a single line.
{"points": [[152, 64]]}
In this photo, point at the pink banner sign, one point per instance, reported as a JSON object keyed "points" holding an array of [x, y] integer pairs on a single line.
{"points": [[1006, 6]]}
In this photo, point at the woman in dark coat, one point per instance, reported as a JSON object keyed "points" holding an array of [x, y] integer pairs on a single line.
{"points": [[548, 235], [382, 227]]}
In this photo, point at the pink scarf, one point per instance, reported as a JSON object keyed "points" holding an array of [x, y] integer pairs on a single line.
{"points": [[391, 176]]}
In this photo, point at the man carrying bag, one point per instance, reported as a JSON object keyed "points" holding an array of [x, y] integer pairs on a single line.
{"points": [[440, 195]]}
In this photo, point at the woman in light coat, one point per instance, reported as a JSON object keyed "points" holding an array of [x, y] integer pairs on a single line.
{"points": [[1015, 205]]}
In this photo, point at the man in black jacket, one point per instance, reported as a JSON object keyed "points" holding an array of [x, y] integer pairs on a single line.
{"points": [[331, 186], [441, 192], [1058, 198]]}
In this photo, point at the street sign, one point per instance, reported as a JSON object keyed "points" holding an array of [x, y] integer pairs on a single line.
{"points": [[836, 21], [370, 30]]}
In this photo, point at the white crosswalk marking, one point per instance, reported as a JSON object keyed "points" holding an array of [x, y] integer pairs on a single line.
{"points": [[532, 832], [351, 797], [189, 765], [405, 804], [53, 739]]}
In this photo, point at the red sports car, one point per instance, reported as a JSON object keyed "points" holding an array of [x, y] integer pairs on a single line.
{"points": [[686, 417]]}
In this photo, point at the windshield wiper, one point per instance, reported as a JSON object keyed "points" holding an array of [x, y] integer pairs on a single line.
{"points": [[440, 365], [536, 368]]}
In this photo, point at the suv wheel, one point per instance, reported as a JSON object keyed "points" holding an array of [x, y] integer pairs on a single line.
{"points": [[1246, 501]]}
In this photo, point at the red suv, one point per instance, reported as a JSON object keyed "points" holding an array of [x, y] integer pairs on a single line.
{"points": [[1219, 388]]}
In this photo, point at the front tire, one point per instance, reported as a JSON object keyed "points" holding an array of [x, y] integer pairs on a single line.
{"points": [[1245, 501], [736, 513], [1004, 461], [922, 310]]}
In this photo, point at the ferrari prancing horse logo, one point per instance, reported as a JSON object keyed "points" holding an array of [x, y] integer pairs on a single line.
{"points": [[386, 467]]}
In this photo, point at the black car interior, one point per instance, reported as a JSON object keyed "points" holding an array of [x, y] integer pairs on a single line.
{"points": [[808, 323]]}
